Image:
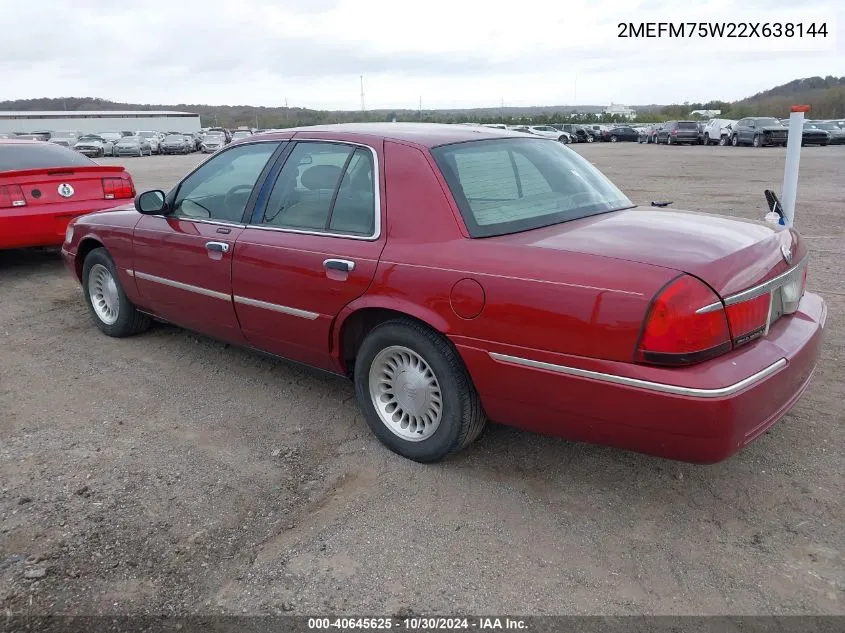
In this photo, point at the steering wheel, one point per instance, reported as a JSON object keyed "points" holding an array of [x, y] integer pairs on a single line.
{"points": [[229, 201]]}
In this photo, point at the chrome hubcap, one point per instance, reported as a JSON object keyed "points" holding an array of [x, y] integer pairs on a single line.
{"points": [[102, 289], [405, 393]]}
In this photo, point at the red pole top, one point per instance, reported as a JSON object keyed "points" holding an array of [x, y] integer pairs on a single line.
{"points": [[800, 108]]}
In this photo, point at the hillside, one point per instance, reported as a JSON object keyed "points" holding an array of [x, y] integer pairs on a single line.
{"points": [[826, 96]]}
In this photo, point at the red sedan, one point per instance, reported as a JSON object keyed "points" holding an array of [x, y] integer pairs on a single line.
{"points": [[43, 186], [458, 274]]}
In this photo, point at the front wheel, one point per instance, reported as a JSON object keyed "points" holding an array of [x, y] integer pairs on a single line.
{"points": [[108, 304], [415, 393], [613, 139], [706, 138], [590, 138], [755, 142], [735, 140], [723, 140]]}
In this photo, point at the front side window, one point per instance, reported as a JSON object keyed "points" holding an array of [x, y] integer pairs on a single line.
{"points": [[508, 185], [220, 189], [324, 187]]}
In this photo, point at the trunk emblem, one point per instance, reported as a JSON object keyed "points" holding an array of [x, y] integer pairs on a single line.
{"points": [[787, 254], [65, 190]]}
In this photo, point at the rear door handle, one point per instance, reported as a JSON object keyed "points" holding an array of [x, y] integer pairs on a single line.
{"points": [[343, 265], [217, 247]]}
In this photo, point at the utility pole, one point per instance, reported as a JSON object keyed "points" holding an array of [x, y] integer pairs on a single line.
{"points": [[286, 102], [420, 107], [575, 97], [362, 93]]}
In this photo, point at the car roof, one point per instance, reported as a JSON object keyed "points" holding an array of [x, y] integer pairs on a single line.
{"points": [[20, 141], [422, 134]]}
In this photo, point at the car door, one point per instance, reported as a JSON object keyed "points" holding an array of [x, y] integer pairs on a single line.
{"points": [[183, 260], [312, 247]]}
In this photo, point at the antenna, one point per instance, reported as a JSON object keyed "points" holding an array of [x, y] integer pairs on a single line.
{"points": [[362, 93]]}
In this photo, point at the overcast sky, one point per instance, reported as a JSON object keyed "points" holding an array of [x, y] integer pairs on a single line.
{"points": [[452, 53]]}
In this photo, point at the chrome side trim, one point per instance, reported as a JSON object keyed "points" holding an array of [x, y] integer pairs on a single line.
{"points": [[644, 384], [275, 307], [376, 206], [130, 272], [182, 286], [766, 286]]}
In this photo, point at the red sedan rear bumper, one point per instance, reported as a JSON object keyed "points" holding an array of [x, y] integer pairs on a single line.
{"points": [[25, 227], [700, 414]]}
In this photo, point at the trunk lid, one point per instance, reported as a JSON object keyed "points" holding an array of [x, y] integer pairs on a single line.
{"points": [[41, 186], [729, 254]]}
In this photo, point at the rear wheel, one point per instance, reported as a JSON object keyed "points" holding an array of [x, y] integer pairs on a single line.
{"points": [[415, 393], [589, 138], [613, 138], [706, 139], [723, 140], [111, 309]]}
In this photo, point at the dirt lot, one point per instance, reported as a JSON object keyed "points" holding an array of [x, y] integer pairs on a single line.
{"points": [[172, 474]]}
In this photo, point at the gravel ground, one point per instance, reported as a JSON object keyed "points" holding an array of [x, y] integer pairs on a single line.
{"points": [[172, 474]]}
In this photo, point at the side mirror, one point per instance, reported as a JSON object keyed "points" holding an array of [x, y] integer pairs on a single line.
{"points": [[150, 202]]}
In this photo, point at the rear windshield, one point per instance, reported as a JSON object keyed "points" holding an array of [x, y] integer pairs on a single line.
{"points": [[509, 185], [687, 125], [14, 156]]}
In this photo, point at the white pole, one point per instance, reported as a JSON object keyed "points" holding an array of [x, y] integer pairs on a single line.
{"points": [[793, 157]]}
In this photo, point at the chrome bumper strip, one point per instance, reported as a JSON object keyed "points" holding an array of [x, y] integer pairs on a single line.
{"points": [[644, 384]]}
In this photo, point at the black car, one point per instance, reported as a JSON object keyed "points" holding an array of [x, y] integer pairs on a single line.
{"points": [[579, 133], [678, 133], [620, 133], [837, 134], [759, 132], [813, 135]]}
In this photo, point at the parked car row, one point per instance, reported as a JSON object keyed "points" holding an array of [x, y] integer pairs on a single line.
{"points": [[753, 131], [137, 143]]}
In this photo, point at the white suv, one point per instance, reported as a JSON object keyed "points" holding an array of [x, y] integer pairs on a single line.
{"points": [[718, 131]]}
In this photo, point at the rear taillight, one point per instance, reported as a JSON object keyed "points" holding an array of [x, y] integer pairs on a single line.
{"points": [[11, 196], [674, 132], [748, 319], [114, 188], [682, 325]]}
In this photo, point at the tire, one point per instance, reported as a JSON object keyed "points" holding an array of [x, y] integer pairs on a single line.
{"points": [[98, 270], [406, 342], [668, 140], [723, 140], [101, 152], [140, 152], [613, 138], [756, 142], [735, 141], [590, 138], [707, 139]]}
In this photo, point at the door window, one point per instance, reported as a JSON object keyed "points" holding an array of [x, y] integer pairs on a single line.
{"points": [[324, 187], [220, 189]]}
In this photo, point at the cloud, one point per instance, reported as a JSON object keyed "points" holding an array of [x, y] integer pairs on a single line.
{"points": [[452, 53]]}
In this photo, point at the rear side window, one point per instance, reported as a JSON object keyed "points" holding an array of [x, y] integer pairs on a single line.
{"points": [[325, 188], [508, 185], [14, 156]]}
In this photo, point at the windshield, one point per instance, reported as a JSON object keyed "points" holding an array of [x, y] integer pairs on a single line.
{"points": [[128, 140], [211, 136], [146, 134], [16, 156], [823, 126], [241, 134], [508, 185], [174, 138], [90, 138], [768, 121]]}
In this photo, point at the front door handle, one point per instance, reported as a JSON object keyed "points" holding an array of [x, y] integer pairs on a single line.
{"points": [[217, 247], [343, 265]]}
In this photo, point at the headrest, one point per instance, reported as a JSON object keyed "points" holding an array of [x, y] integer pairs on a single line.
{"points": [[320, 177]]}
